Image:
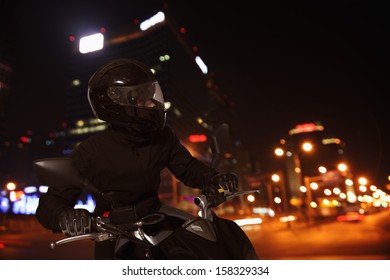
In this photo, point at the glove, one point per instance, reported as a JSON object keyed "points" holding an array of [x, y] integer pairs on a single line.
{"points": [[224, 182], [75, 222]]}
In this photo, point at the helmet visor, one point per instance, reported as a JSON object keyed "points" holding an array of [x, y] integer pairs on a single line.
{"points": [[145, 95]]}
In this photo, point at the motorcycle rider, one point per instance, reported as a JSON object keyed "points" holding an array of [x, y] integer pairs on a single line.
{"points": [[124, 161]]}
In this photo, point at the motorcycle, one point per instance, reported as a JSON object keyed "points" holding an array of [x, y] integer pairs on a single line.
{"points": [[169, 233]]}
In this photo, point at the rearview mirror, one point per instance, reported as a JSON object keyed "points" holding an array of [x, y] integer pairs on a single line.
{"points": [[220, 142], [58, 171]]}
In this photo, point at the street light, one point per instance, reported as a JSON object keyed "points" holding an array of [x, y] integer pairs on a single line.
{"points": [[11, 186], [278, 178]]}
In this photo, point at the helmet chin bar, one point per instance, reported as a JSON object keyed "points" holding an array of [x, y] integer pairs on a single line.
{"points": [[145, 120]]}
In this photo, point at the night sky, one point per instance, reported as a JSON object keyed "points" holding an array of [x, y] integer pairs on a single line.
{"points": [[280, 63]]}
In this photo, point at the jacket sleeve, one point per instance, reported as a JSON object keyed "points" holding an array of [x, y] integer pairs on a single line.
{"points": [[52, 203], [56, 200], [186, 168]]}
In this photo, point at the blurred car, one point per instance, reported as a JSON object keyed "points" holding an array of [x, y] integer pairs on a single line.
{"points": [[351, 213]]}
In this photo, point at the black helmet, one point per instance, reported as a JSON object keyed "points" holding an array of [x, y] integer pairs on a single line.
{"points": [[124, 92]]}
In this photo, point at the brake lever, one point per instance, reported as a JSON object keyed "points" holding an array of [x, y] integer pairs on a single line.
{"points": [[233, 195], [92, 236]]}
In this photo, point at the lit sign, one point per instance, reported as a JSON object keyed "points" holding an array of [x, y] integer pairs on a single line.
{"points": [[306, 127]]}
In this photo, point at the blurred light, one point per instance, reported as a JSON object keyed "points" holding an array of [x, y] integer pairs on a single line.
{"points": [[350, 217], [362, 188], [25, 139], [157, 18], [362, 181], [164, 58], [177, 112], [76, 82], [49, 142], [286, 219], [349, 182], [249, 221], [4, 204], [373, 188], [11, 186], [336, 191], [67, 151], [351, 197], [263, 211], [313, 185], [313, 204], [30, 189], [330, 141], [26, 204], [88, 205], [306, 127], [251, 198], [275, 177], [91, 43], [43, 189], [201, 65], [307, 146], [279, 152], [295, 201], [80, 123], [342, 167], [322, 169], [197, 138], [342, 195], [16, 195]]}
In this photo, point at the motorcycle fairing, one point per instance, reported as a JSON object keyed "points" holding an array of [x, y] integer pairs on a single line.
{"points": [[203, 228]]}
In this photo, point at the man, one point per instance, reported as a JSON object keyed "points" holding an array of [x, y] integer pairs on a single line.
{"points": [[125, 160]]}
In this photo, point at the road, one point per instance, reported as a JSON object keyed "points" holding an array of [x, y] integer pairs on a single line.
{"points": [[368, 239]]}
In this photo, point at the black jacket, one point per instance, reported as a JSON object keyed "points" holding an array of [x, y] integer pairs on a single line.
{"points": [[115, 161]]}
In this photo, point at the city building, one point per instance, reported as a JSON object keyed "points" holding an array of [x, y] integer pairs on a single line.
{"points": [[315, 169]]}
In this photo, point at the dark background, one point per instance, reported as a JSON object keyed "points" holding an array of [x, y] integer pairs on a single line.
{"points": [[281, 63]]}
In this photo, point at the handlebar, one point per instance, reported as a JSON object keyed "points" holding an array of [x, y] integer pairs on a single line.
{"points": [[106, 230]]}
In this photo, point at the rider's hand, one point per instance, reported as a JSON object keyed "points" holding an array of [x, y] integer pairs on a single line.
{"points": [[224, 182], [75, 222]]}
